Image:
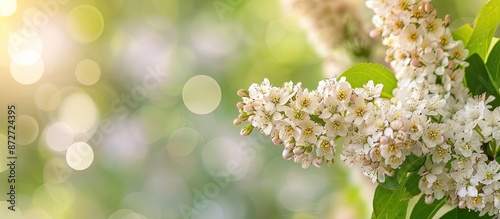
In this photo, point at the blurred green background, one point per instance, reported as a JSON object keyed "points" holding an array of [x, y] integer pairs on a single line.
{"points": [[124, 109]]}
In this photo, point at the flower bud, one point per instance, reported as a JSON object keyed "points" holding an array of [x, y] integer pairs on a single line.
{"points": [[388, 59], [452, 64], [237, 122], [240, 105], [447, 20], [243, 117], [277, 140], [390, 173], [403, 128], [243, 93], [375, 33], [248, 108], [429, 199], [428, 7], [317, 161], [329, 163], [287, 154], [415, 63], [298, 150], [462, 204], [375, 165], [289, 145], [453, 199], [353, 97], [384, 140], [246, 130]]}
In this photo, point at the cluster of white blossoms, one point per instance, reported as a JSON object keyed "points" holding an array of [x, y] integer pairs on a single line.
{"points": [[431, 114], [457, 134], [309, 122], [335, 28]]}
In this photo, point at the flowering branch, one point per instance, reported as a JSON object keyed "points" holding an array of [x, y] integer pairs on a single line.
{"points": [[430, 115]]}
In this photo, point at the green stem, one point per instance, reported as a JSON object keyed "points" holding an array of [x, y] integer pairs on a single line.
{"points": [[478, 130]]}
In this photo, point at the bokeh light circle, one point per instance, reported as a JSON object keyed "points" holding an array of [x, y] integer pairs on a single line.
{"points": [[79, 156], [29, 128], [85, 23], [183, 141], [79, 111], [25, 46], [27, 74], [87, 72], [47, 97], [26, 57], [59, 136], [42, 198], [7, 7], [201, 94]]}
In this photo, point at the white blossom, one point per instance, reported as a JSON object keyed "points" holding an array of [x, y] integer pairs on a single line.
{"points": [[431, 114]]}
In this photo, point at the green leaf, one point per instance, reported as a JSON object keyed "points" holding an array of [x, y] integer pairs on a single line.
{"points": [[485, 24], [493, 63], [316, 119], [494, 41], [479, 79], [390, 203], [391, 182], [463, 214], [361, 73], [423, 210], [497, 158], [396, 181], [463, 33], [412, 163], [411, 184]]}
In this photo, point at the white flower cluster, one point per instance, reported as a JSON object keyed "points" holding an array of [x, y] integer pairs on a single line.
{"points": [[335, 28], [309, 122], [431, 114], [421, 50], [457, 134]]}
